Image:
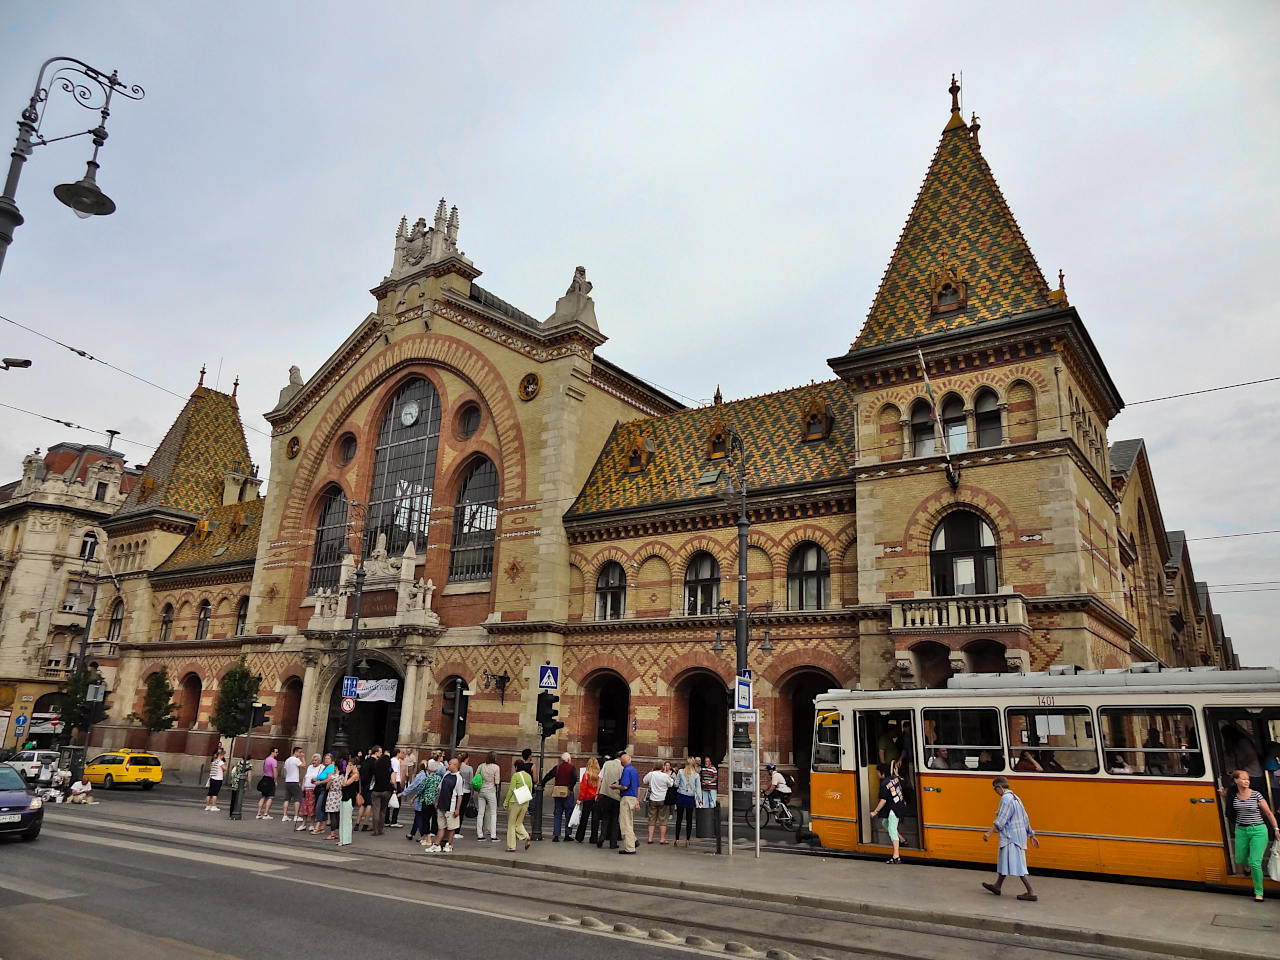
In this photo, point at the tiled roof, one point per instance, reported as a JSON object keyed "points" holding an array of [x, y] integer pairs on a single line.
{"points": [[1177, 540], [960, 218], [771, 427], [204, 443], [232, 538], [487, 299], [1123, 454]]}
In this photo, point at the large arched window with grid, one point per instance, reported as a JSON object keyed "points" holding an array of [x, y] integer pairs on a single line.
{"points": [[117, 621], [611, 591], [475, 519], [331, 533], [963, 556], [701, 584], [203, 617], [404, 469], [808, 578]]}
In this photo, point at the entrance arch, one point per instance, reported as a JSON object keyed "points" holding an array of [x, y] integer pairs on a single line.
{"points": [[797, 695], [702, 702], [986, 656], [188, 701], [372, 721], [933, 661], [607, 698]]}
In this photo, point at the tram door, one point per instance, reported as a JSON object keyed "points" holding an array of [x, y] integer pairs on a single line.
{"points": [[885, 736], [1244, 739]]}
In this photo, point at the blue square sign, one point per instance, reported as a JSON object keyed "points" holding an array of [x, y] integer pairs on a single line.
{"points": [[349, 686], [548, 677]]}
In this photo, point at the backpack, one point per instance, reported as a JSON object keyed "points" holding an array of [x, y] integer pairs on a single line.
{"points": [[789, 781], [430, 788], [477, 781]]}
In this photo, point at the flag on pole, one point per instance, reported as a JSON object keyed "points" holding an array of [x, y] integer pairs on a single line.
{"points": [[953, 476]]}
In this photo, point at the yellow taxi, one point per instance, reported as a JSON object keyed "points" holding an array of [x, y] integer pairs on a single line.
{"points": [[124, 767]]}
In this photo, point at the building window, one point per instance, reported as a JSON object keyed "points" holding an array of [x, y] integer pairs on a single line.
{"points": [[331, 534], [922, 444], [101, 492], [808, 578], [242, 616], [955, 429], [404, 469], [701, 584], [202, 620], [116, 623], [963, 556], [468, 421], [611, 591], [88, 546], [475, 519], [987, 414], [347, 447], [166, 623]]}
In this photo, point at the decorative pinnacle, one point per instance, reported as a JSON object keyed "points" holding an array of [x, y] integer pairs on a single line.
{"points": [[201, 383], [404, 228], [718, 398], [954, 90], [974, 125], [235, 385], [440, 214], [1062, 281]]}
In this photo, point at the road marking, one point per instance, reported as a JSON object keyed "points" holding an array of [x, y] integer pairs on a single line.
{"points": [[213, 859], [30, 888], [240, 846]]}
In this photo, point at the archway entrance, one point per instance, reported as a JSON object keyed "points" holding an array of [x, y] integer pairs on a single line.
{"points": [[188, 701], [608, 700], [708, 715], [934, 660], [799, 693], [372, 721], [986, 656]]}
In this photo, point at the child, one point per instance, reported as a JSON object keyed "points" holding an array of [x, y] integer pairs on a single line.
{"points": [[892, 798]]}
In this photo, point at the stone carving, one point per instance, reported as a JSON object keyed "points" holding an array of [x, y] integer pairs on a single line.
{"points": [[419, 246], [576, 306], [290, 389], [579, 283], [420, 594]]}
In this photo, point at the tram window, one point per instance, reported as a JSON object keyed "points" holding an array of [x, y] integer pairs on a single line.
{"points": [[1151, 742], [826, 740], [1052, 741], [966, 739]]}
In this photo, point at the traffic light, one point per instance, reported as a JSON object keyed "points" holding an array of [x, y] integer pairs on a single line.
{"points": [[261, 714], [548, 712]]}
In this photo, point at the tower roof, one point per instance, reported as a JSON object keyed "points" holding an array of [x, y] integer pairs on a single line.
{"points": [[960, 233], [186, 472]]}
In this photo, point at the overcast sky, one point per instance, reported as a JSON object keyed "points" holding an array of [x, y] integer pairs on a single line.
{"points": [[732, 175]]}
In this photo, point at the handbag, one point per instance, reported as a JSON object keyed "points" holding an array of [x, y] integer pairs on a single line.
{"points": [[522, 794], [1273, 863], [477, 781], [261, 784], [558, 792]]}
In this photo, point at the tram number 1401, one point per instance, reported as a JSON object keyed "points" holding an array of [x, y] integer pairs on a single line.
{"points": [[1044, 701]]}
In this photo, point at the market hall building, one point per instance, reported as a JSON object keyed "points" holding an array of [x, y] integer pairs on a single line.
{"points": [[517, 500]]}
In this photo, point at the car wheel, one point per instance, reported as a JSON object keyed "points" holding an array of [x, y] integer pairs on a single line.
{"points": [[109, 782], [147, 786], [32, 833]]}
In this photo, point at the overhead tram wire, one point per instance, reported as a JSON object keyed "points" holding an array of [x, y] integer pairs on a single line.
{"points": [[75, 426]]}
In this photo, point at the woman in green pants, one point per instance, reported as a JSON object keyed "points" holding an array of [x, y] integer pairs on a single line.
{"points": [[1250, 810]]}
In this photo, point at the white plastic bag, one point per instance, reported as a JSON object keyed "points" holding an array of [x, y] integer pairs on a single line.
{"points": [[394, 802], [1273, 862], [576, 817]]}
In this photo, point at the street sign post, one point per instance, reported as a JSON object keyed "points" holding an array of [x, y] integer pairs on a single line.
{"points": [[350, 686], [348, 704], [744, 766], [548, 677], [744, 693], [20, 720]]}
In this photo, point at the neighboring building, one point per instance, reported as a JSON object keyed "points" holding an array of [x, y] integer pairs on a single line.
{"points": [[518, 501], [51, 542]]}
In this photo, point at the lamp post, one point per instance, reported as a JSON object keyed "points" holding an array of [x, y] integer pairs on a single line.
{"points": [[78, 764], [357, 513], [92, 89]]}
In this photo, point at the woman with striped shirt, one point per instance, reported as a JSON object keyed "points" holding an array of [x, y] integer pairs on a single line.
{"points": [[1249, 809]]}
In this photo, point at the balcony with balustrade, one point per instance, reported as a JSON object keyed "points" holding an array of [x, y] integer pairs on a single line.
{"points": [[973, 613]]}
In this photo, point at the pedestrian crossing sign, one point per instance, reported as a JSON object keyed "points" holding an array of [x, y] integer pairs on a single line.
{"points": [[548, 677]]}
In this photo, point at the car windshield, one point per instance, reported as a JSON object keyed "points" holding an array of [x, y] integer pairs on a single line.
{"points": [[9, 779]]}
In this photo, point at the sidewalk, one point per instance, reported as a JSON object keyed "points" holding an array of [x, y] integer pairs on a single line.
{"points": [[1174, 922]]}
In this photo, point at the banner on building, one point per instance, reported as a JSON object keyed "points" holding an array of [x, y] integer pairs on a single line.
{"points": [[377, 690]]}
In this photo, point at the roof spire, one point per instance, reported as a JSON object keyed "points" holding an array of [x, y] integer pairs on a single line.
{"points": [[974, 126], [201, 383], [719, 397], [956, 120], [235, 385]]}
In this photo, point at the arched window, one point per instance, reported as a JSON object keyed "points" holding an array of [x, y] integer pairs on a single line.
{"points": [[242, 616], [987, 415], [475, 518], [404, 469], [166, 623], [922, 444], [701, 584], [955, 428], [117, 621], [88, 546], [331, 534], [202, 620], [963, 556], [611, 591], [808, 578]]}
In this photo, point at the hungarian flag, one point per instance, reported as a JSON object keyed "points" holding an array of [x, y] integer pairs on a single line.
{"points": [[953, 475]]}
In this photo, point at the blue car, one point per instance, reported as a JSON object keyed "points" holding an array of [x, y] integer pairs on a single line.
{"points": [[21, 812]]}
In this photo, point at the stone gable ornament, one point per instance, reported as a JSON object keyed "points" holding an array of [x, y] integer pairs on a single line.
{"points": [[420, 246], [576, 306]]}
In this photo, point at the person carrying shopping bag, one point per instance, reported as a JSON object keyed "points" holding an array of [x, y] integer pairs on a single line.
{"points": [[519, 793]]}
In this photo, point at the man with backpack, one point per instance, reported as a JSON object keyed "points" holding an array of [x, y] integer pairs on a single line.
{"points": [[779, 787]]}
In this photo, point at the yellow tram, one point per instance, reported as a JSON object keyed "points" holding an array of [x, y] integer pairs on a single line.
{"points": [[1119, 769]]}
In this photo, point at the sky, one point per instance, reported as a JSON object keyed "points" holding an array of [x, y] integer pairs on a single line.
{"points": [[732, 175]]}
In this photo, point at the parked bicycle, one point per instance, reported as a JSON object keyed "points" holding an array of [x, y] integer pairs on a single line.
{"points": [[769, 807]]}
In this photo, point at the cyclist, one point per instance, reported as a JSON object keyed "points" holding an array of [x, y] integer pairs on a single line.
{"points": [[778, 789]]}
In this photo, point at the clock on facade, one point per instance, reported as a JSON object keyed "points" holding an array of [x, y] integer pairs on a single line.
{"points": [[530, 384], [409, 413]]}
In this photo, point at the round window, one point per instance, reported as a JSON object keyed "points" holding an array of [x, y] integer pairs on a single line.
{"points": [[469, 420], [347, 448]]}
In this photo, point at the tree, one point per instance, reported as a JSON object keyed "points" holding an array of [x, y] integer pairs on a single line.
{"points": [[236, 693], [75, 707], [157, 705]]}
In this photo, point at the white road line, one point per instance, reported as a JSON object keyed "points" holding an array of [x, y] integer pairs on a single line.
{"points": [[39, 890], [240, 846], [212, 859]]}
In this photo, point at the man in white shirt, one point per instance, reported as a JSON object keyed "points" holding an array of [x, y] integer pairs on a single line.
{"points": [[465, 773], [82, 791], [777, 788], [397, 787], [293, 786]]}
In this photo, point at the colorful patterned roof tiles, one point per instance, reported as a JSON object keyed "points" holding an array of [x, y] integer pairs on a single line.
{"points": [[231, 538]]}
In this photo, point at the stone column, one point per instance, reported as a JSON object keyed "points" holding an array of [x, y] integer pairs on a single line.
{"points": [[970, 428], [906, 440], [408, 701], [307, 707], [1004, 424]]}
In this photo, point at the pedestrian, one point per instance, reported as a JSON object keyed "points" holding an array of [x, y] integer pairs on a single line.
{"points": [[398, 771], [1249, 809], [710, 779], [350, 798], [380, 790], [410, 796], [82, 791], [217, 773], [331, 776], [521, 782], [427, 794], [688, 787], [267, 785], [628, 799], [659, 784], [487, 799], [465, 776], [564, 775], [365, 768], [526, 755], [588, 788], [892, 802], [324, 781], [293, 786], [1015, 831], [447, 803], [309, 794], [608, 802]]}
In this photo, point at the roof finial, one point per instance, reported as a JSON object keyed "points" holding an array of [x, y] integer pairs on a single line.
{"points": [[954, 90], [1062, 280], [974, 126], [201, 383], [235, 385], [718, 398]]}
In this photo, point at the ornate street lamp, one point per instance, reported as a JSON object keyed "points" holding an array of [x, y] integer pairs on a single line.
{"points": [[91, 89], [357, 513]]}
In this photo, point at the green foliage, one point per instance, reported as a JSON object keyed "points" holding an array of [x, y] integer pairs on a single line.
{"points": [[75, 709], [236, 694], [157, 706]]}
